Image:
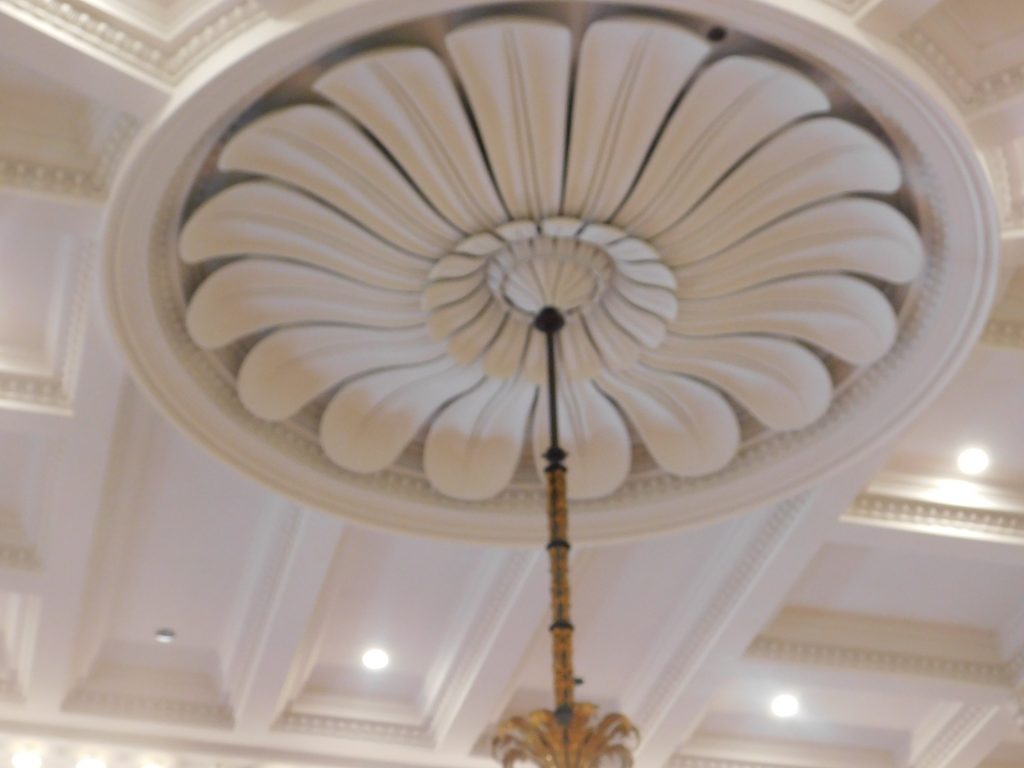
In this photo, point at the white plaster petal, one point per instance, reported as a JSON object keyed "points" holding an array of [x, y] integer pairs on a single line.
{"points": [[440, 293], [629, 73], [253, 295], [617, 348], [320, 151], [447, 318], [456, 265], [591, 432], [372, 419], [406, 99], [644, 326], [733, 105], [474, 445], [657, 299], [576, 350], [784, 385], [689, 428], [291, 367], [857, 235], [505, 356], [260, 218], [815, 160], [516, 76], [470, 341], [843, 315]]}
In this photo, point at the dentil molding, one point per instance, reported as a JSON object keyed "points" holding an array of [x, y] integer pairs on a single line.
{"points": [[91, 183], [877, 660], [971, 95], [166, 59], [883, 509], [55, 393]]}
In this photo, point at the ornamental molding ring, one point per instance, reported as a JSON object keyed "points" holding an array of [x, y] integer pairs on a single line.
{"points": [[771, 253]]}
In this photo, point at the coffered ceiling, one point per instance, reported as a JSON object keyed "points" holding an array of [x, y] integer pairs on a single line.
{"points": [[889, 598]]}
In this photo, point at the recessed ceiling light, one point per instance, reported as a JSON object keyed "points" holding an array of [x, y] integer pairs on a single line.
{"points": [[26, 758], [973, 461], [165, 635], [785, 705], [375, 659], [90, 762]]}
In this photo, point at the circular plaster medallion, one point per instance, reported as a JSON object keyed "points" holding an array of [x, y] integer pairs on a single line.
{"points": [[328, 277]]}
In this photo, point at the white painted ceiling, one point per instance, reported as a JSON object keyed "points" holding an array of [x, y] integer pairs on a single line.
{"points": [[890, 599]]}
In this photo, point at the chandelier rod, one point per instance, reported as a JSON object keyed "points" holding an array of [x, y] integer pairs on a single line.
{"points": [[550, 321]]}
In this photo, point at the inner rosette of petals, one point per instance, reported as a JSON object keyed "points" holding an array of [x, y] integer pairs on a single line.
{"points": [[617, 296]]}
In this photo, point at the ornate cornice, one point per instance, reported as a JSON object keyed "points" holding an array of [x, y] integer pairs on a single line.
{"points": [[354, 728], [969, 94], [55, 393], [876, 660], [150, 708], [88, 183], [1000, 333], [1008, 198], [166, 60], [881, 509]]}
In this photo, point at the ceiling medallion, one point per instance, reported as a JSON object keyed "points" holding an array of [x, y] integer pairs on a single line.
{"points": [[361, 256]]}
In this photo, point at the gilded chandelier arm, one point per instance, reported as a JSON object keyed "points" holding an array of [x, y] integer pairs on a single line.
{"points": [[549, 321]]}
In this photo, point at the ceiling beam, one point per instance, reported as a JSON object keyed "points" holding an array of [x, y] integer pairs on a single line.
{"points": [[262, 691], [72, 510], [518, 603], [965, 739], [57, 56], [751, 591]]}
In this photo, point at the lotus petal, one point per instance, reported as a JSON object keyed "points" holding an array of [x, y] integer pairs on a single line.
{"points": [[688, 428], [856, 235], [318, 150], [629, 74], [372, 419], [263, 219], [734, 105], [405, 97], [591, 432], [474, 445], [784, 385], [291, 367], [516, 76], [843, 315], [253, 295], [813, 161]]}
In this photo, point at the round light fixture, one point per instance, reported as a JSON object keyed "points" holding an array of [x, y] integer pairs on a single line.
{"points": [[376, 659], [973, 461], [165, 636], [26, 758], [785, 705]]}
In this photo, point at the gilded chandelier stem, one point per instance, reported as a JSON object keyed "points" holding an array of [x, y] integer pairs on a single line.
{"points": [[572, 735], [549, 321]]}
